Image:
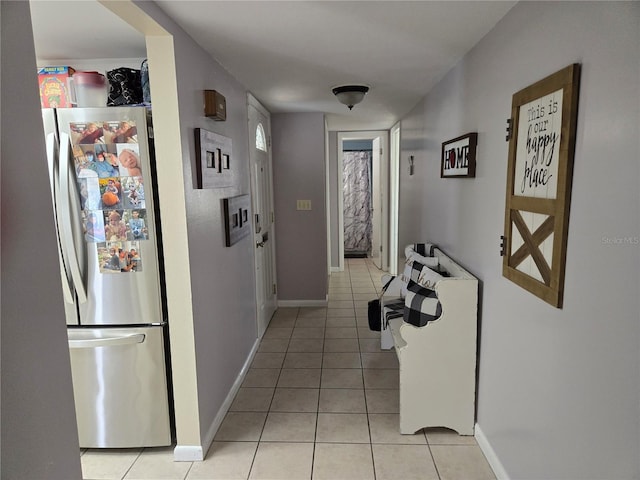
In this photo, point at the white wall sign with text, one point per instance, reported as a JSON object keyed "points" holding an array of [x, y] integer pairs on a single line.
{"points": [[539, 175]]}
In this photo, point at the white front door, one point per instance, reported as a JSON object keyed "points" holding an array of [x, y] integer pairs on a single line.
{"points": [[263, 228]]}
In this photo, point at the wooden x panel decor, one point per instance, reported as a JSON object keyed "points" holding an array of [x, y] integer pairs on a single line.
{"points": [[541, 150]]}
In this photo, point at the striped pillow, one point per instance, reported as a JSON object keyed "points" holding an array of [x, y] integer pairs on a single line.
{"points": [[393, 309]]}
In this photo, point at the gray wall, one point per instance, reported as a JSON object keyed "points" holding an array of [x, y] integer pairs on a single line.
{"points": [[559, 389], [222, 278], [299, 174], [39, 435]]}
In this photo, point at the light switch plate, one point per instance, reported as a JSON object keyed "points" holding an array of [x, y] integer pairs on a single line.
{"points": [[303, 204]]}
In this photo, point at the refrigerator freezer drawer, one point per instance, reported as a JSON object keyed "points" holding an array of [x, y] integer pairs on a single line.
{"points": [[120, 387]]}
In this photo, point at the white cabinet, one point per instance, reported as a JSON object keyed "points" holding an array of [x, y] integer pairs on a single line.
{"points": [[438, 361]]}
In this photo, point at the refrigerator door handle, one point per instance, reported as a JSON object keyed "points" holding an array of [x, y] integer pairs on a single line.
{"points": [[55, 192], [66, 230], [107, 341]]}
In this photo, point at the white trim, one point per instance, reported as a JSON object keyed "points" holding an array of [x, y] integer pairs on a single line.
{"points": [[490, 454], [335, 269], [270, 302], [302, 303], [384, 167], [394, 194], [188, 453], [172, 207], [327, 197], [340, 204], [183, 453], [253, 101]]}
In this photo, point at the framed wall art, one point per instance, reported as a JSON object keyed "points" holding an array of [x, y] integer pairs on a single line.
{"points": [[541, 153], [214, 160], [459, 157], [236, 218]]}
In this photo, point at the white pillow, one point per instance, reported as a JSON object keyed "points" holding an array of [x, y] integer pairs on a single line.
{"points": [[412, 256], [412, 272], [429, 278]]}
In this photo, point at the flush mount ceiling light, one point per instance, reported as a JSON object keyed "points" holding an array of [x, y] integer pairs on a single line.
{"points": [[350, 95]]}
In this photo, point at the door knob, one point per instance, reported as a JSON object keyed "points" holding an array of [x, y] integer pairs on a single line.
{"points": [[259, 244]]}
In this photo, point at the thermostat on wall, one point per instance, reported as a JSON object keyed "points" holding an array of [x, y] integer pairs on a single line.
{"points": [[215, 105]]}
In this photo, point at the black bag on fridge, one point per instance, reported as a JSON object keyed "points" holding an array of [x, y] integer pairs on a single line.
{"points": [[373, 314], [144, 81], [125, 87], [373, 310]]}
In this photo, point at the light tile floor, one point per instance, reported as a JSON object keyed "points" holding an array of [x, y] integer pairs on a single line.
{"points": [[320, 401]]}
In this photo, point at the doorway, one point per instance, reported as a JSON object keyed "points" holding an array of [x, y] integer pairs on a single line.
{"points": [[263, 227], [363, 156], [357, 165]]}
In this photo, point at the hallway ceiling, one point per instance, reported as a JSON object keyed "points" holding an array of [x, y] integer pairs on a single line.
{"points": [[289, 54]]}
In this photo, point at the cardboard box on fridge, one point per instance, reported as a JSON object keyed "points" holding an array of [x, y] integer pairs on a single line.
{"points": [[54, 86]]}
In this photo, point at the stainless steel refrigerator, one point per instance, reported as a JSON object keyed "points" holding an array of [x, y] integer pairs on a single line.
{"points": [[101, 176]]}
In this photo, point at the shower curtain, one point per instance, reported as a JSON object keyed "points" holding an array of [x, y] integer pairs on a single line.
{"points": [[357, 203]]}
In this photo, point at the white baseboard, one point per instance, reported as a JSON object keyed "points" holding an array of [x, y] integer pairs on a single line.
{"points": [[490, 454], [196, 453], [188, 453], [336, 269], [302, 303]]}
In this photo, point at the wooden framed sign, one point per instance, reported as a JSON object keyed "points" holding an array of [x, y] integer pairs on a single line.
{"points": [[459, 157], [214, 162], [236, 218], [541, 151]]}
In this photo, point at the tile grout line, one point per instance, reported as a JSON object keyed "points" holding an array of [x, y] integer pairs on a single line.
{"points": [[264, 424], [133, 463], [428, 444], [366, 406], [255, 453], [315, 433], [362, 377]]}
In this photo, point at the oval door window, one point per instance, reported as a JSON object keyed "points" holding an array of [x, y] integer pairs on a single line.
{"points": [[261, 143]]}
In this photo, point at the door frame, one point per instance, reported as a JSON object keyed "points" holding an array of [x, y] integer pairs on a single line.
{"points": [[253, 102], [394, 196], [384, 189]]}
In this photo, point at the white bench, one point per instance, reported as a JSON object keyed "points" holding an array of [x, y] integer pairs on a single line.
{"points": [[438, 361]]}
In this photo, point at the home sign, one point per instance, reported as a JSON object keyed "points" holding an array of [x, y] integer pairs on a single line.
{"points": [[459, 157]]}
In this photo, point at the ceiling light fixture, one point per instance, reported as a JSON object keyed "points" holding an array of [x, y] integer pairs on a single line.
{"points": [[350, 95]]}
